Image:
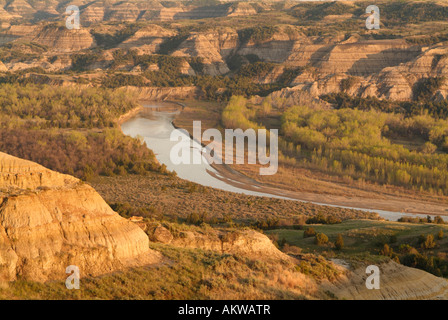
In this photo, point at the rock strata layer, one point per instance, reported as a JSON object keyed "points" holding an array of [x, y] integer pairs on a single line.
{"points": [[49, 221], [396, 282]]}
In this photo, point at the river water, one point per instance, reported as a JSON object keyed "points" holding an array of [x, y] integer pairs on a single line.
{"points": [[154, 125]]}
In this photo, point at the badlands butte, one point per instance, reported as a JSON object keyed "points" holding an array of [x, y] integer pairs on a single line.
{"points": [[362, 116], [317, 48]]}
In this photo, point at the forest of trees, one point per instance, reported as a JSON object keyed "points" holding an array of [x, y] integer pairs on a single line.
{"points": [[437, 109], [108, 40], [237, 115], [354, 143], [421, 252], [256, 34], [43, 106], [82, 154]]}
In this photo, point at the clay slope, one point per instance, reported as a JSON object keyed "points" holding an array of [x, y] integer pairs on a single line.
{"points": [[248, 243], [57, 39], [49, 221], [241, 9], [365, 57], [124, 11], [198, 45], [64, 40], [20, 8], [92, 14], [387, 69], [147, 40], [397, 282]]}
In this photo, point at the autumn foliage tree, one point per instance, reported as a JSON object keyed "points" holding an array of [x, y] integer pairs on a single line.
{"points": [[339, 243]]}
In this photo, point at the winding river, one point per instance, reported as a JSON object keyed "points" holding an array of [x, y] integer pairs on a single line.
{"points": [[154, 125]]}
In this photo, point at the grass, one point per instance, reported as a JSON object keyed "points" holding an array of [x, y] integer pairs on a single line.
{"points": [[188, 274], [165, 197], [362, 236]]}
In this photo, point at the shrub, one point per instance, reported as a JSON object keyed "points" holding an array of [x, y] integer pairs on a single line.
{"points": [[172, 43], [268, 223], [439, 220], [256, 34], [321, 239], [387, 251], [256, 70], [407, 249], [393, 239], [80, 62], [426, 87], [348, 83], [428, 148], [197, 219], [121, 80], [111, 40], [339, 243], [309, 232], [323, 219]]}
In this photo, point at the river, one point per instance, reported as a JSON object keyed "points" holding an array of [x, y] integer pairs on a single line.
{"points": [[154, 125]]}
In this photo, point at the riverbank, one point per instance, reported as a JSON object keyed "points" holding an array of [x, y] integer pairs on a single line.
{"points": [[128, 115], [380, 200]]}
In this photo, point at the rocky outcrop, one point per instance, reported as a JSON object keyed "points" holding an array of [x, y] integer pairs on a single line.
{"points": [[57, 39], [3, 68], [19, 174], [198, 45], [64, 40], [95, 11], [15, 32], [163, 14], [384, 69], [160, 234], [276, 48], [6, 16], [365, 57], [397, 282], [123, 11], [49, 221], [20, 8], [241, 9], [387, 69], [248, 242], [294, 96], [91, 14]]}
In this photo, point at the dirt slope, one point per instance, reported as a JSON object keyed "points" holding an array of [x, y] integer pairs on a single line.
{"points": [[397, 282], [49, 221]]}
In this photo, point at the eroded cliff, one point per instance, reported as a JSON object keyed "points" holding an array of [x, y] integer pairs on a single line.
{"points": [[397, 282], [49, 221]]}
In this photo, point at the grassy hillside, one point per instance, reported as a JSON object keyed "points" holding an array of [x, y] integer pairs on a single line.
{"points": [[372, 241]]}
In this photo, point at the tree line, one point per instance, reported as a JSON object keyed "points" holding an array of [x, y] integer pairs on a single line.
{"points": [[71, 130]]}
